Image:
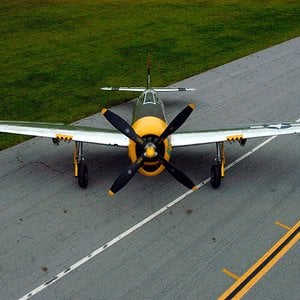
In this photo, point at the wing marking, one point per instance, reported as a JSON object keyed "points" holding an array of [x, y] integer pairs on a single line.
{"points": [[64, 137], [232, 138], [221, 135]]}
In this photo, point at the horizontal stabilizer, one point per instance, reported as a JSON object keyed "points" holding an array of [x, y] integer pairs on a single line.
{"points": [[173, 89], [141, 89], [124, 89]]}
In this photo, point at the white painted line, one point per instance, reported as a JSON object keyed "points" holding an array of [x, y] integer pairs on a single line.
{"points": [[135, 227], [250, 152]]}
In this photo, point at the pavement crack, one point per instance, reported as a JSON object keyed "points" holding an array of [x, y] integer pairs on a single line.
{"points": [[6, 287], [114, 206], [38, 163]]}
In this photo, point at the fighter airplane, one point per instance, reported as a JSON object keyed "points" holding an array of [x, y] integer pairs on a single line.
{"points": [[149, 138]]}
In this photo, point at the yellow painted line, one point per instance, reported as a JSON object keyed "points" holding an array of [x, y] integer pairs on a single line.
{"points": [[263, 265], [232, 275], [282, 225]]}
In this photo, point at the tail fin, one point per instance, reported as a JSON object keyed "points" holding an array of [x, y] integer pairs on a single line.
{"points": [[148, 72], [141, 89]]}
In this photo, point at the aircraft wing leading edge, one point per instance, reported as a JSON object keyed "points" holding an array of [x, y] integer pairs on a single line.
{"points": [[115, 138], [222, 135], [66, 132]]}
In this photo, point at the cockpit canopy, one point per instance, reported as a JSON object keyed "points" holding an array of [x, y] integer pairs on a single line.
{"points": [[149, 97], [148, 104]]}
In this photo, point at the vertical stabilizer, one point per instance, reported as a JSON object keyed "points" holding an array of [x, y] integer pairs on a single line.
{"points": [[148, 72], [142, 89]]}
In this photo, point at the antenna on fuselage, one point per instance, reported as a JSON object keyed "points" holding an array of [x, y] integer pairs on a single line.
{"points": [[148, 72]]}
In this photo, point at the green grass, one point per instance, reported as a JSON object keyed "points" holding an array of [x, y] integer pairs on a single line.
{"points": [[55, 55]]}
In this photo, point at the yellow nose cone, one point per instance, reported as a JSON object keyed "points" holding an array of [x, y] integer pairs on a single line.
{"points": [[150, 152]]}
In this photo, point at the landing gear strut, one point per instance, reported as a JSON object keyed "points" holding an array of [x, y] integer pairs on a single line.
{"points": [[80, 168], [218, 170]]}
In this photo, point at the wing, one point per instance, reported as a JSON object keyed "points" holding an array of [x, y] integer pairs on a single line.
{"points": [[66, 132], [222, 135]]}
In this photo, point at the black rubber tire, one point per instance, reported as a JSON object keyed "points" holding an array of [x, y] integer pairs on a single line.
{"points": [[82, 175], [215, 176]]}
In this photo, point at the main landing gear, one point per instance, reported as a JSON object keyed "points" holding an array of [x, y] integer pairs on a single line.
{"points": [[80, 168], [218, 170]]}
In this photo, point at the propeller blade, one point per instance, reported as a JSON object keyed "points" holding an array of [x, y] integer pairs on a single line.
{"points": [[176, 123], [122, 125], [177, 174], [125, 176]]}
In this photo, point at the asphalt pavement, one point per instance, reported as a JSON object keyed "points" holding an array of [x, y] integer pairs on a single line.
{"points": [[155, 239]]}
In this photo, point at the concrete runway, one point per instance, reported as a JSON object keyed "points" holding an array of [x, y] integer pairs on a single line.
{"points": [[48, 223]]}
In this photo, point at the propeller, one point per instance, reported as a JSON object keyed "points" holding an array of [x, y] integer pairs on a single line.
{"points": [[176, 123], [177, 174], [122, 125], [126, 175], [149, 147]]}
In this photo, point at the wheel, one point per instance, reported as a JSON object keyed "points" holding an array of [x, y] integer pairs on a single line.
{"points": [[215, 176], [82, 175]]}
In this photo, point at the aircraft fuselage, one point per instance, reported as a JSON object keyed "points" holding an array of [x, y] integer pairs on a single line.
{"points": [[149, 122]]}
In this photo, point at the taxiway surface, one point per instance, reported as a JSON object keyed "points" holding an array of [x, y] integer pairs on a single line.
{"points": [[48, 223]]}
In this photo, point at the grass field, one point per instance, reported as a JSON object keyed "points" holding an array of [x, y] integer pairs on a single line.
{"points": [[55, 55]]}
